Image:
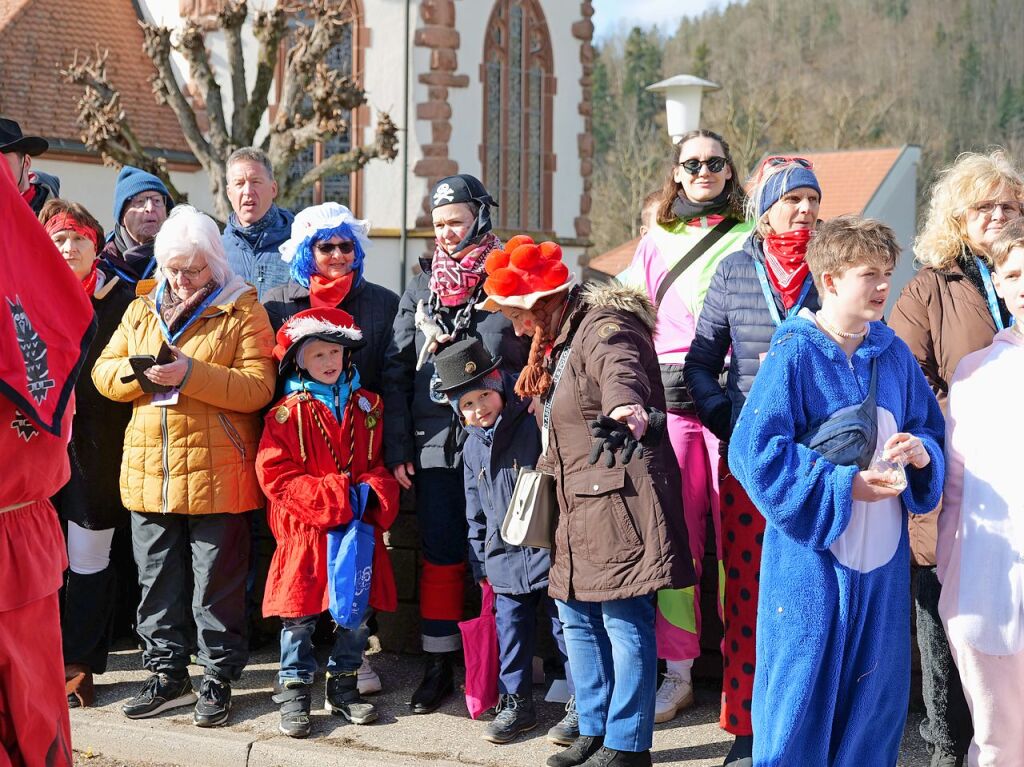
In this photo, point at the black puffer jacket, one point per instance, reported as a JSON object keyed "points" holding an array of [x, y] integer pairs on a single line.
{"points": [[416, 429], [735, 315], [372, 306]]}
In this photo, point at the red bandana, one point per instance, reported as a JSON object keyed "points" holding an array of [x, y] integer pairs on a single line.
{"points": [[64, 222], [784, 256], [89, 281], [453, 281], [325, 293]]}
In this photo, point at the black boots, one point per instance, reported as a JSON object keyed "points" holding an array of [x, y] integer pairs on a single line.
{"points": [[584, 747], [438, 683], [742, 752], [295, 700], [343, 698], [516, 714]]}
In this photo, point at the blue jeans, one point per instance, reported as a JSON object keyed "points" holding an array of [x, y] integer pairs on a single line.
{"points": [[298, 660], [614, 663]]}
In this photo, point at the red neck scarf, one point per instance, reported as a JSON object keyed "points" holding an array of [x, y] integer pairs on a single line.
{"points": [[327, 293], [89, 281], [453, 281], [784, 256]]}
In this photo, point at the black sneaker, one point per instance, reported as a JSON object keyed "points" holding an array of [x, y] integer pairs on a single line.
{"points": [[160, 693], [343, 698], [515, 714], [294, 700], [609, 757], [584, 747], [214, 702], [566, 731]]}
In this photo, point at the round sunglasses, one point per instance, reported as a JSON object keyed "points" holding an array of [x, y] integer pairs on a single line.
{"points": [[692, 166]]}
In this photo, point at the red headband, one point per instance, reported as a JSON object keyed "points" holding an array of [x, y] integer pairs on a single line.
{"points": [[65, 221]]}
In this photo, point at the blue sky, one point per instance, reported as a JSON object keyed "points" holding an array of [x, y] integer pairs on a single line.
{"points": [[612, 15]]}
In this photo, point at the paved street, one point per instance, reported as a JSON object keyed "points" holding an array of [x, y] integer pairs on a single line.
{"points": [[104, 738]]}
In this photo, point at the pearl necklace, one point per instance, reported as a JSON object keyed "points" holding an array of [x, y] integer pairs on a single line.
{"points": [[836, 331]]}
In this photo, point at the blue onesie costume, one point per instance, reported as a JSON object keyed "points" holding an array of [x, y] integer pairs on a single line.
{"points": [[833, 626]]}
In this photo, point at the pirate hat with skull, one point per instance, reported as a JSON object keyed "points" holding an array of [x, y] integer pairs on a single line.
{"points": [[467, 189]]}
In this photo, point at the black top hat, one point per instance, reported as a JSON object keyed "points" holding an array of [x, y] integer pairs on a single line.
{"points": [[12, 140], [463, 363]]}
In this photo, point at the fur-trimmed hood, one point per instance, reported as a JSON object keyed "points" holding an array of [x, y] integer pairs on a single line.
{"points": [[621, 298]]}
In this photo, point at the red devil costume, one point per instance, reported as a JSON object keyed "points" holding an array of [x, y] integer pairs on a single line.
{"points": [[46, 324]]}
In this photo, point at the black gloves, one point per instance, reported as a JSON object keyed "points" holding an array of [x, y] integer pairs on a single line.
{"points": [[614, 436]]}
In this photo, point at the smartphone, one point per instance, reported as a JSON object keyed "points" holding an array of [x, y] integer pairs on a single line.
{"points": [[142, 362]]}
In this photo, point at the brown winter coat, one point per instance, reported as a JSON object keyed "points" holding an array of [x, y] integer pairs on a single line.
{"points": [[620, 532], [942, 317]]}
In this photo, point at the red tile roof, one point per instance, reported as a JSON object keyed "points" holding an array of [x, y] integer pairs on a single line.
{"points": [[38, 37], [616, 259]]}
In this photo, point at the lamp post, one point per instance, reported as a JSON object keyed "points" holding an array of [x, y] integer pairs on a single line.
{"points": [[683, 94]]}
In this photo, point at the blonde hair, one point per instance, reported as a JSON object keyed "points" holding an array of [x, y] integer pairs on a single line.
{"points": [[847, 241], [1011, 237], [188, 232], [971, 179]]}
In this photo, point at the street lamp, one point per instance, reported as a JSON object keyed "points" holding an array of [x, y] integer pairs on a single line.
{"points": [[683, 94]]}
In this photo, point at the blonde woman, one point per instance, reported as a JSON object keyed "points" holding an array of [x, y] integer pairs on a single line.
{"points": [[947, 311]]}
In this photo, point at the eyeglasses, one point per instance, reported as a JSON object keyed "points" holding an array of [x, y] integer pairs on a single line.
{"points": [[156, 200], [328, 248], [776, 160], [190, 274], [693, 165], [988, 207]]}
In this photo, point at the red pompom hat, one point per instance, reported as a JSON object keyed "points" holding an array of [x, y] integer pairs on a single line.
{"points": [[523, 272]]}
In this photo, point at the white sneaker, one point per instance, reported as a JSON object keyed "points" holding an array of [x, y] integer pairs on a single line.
{"points": [[673, 696], [367, 682]]}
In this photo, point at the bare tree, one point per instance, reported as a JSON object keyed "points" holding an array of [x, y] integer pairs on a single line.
{"points": [[314, 99]]}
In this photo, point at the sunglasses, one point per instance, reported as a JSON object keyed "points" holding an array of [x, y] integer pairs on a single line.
{"points": [[776, 160], [692, 166], [328, 248]]}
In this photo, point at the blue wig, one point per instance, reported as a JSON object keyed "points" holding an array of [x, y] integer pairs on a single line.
{"points": [[303, 266]]}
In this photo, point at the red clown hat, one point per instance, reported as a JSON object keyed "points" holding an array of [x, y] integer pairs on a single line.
{"points": [[523, 272], [326, 323]]}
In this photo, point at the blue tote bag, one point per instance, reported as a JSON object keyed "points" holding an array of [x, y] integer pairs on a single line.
{"points": [[350, 563]]}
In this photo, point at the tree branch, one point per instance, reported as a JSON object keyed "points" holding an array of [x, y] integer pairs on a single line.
{"points": [[269, 28], [231, 19], [192, 45]]}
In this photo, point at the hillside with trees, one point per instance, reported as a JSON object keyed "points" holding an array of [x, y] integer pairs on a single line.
{"points": [[811, 75]]}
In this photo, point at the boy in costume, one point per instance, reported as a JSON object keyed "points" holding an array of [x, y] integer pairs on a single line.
{"points": [[832, 679], [321, 449]]}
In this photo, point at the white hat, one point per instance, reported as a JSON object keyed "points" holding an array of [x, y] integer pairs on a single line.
{"points": [[310, 221]]}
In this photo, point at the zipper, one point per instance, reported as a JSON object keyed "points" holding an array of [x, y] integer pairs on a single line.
{"points": [[232, 433], [164, 461], [337, 404]]}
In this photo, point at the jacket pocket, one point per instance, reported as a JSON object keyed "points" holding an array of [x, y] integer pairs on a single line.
{"points": [[609, 530], [232, 433]]}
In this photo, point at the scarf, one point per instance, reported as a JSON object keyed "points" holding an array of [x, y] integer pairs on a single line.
{"points": [[89, 281], [135, 261], [787, 268], [334, 396], [685, 210], [453, 281], [177, 312], [327, 293]]}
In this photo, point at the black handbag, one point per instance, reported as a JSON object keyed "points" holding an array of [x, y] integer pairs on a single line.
{"points": [[848, 437]]}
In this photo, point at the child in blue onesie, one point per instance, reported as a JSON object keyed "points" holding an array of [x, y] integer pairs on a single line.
{"points": [[832, 679]]}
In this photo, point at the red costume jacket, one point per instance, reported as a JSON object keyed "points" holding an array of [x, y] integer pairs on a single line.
{"points": [[307, 496]]}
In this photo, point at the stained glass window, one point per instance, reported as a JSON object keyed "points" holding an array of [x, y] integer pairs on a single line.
{"points": [[518, 90]]}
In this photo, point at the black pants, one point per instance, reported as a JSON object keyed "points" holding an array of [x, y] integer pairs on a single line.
{"points": [[87, 617], [947, 725], [206, 556]]}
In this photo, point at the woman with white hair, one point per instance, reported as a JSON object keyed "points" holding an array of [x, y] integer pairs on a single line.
{"points": [[193, 356]]}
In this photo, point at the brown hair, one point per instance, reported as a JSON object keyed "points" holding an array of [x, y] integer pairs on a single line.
{"points": [[670, 189], [78, 212], [534, 379], [846, 241], [1011, 237]]}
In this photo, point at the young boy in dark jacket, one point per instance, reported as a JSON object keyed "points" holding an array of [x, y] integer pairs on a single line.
{"points": [[502, 439]]}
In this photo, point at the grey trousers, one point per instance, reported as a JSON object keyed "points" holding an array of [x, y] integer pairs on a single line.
{"points": [[202, 557]]}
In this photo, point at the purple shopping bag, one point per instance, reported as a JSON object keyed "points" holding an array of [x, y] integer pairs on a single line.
{"points": [[480, 646]]}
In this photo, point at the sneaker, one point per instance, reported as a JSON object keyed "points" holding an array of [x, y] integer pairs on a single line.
{"points": [[515, 714], [609, 757], [674, 695], [214, 702], [367, 682], [565, 732], [582, 749], [343, 698], [295, 700], [160, 693]]}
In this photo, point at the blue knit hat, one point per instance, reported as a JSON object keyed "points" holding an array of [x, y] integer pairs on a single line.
{"points": [[784, 181], [131, 181]]}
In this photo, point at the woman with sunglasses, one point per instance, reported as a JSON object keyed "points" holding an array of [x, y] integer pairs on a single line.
{"points": [[700, 220], [751, 292], [947, 311]]}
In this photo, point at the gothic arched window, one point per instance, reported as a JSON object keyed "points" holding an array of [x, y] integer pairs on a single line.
{"points": [[519, 87]]}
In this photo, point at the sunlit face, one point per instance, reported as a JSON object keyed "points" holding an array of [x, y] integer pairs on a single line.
{"points": [[860, 292], [19, 165], [143, 216], [984, 220], [481, 407], [705, 184], [185, 275], [796, 209], [1008, 280], [334, 257], [451, 224], [524, 322], [324, 361], [251, 190], [77, 250]]}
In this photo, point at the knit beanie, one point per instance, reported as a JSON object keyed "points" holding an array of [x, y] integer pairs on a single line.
{"points": [[490, 381], [783, 182], [130, 182]]}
